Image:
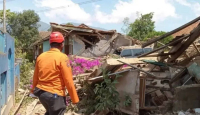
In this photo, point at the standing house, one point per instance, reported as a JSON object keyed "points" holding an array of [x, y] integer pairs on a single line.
{"points": [[9, 73], [84, 41]]}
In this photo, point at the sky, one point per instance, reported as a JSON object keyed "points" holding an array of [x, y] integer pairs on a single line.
{"points": [[109, 14]]}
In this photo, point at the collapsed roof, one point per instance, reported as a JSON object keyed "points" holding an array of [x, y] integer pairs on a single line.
{"points": [[90, 42], [179, 46]]}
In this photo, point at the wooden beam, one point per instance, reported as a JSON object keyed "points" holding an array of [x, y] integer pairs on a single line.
{"points": [[176, 48], [165, 54], [100, 35], [188, 42], [163, 46], [87, 34], [114, 36], [171, 32], [86, 41], [115, 62], [196, 48], [150, 75]]}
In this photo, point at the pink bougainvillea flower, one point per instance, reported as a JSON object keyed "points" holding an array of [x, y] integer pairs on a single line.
{"points": [[31, 86], [79, 65], [125, 65]]}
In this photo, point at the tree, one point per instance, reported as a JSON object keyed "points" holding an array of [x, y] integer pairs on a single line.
{"points": [[141, 27], [23, 27], [125, 27], [9, 14], [157, 34], [69, 24]]}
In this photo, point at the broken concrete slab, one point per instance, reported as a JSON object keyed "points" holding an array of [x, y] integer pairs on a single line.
{"points": [[127, 88], [186, 97]]}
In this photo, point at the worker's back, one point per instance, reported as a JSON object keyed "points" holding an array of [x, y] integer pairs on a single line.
{"points": [[49, 72]]}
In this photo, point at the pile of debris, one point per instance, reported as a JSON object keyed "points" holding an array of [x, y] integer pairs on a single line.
{"points": [[166, 82], [158, 82]]}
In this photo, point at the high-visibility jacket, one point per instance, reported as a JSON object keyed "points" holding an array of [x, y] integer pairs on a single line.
{"points": [[54, 74]]}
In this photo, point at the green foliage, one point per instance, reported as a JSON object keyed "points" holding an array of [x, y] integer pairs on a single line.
{"points": [[128, 101], [69, 24], [26, 72], [88, 101], [9, 15], [26, 69], [126, 27], [141, 27], [157, 34], [101, 96], [23, 27], [106, 94]]}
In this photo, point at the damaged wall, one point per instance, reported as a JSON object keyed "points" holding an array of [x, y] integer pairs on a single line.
{"points": [[98, 50], [122, 40], [107, 46], [78, 45], [187, 97], [129, 86]]}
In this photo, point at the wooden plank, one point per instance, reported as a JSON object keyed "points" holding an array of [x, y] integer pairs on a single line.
{"points": [[84, 34], [170, 33], [81, 75], [142, 91], [100, 35], [162, 47], [176, 48], [188, 42], [178, 76], [114, 36], [148, 73], [196, 48], [129, 60], [86, 41]]}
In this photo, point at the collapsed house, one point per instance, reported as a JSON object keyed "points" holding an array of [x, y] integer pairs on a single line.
{"points": [[84, 41], [164, 80]]}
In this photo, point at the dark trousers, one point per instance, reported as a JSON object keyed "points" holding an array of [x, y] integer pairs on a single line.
{"points": [[53, 105]]}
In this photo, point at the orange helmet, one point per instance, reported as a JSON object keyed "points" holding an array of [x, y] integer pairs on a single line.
{"points": [[56, 37]]}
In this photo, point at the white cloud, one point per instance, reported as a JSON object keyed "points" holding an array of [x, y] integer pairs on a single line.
{"points": [[162, 9], [70, 11], [195, 6], [184, 2], [196, 9]]}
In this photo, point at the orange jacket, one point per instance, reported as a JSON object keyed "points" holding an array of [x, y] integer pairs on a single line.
{"points": [[53, 73]]}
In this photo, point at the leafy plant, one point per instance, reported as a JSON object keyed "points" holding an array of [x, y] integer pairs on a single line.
{"points": [[142, 26], [26, 69], [128, 101], [101, 96], [106, 95]]}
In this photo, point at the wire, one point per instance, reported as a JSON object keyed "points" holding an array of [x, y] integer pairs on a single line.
{"points": [[81, 3]]}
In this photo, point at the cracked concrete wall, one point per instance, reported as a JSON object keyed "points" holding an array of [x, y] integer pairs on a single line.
{"points": [[122, 40], [109, 48], [187, 97], [97, 51]]}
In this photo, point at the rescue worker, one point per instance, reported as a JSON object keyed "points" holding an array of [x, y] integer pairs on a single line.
{"points": [[52, 76]]}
